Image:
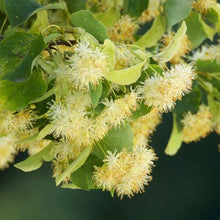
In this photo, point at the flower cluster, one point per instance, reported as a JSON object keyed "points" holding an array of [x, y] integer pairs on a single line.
{"points": [[125, 172], [162, 92]]}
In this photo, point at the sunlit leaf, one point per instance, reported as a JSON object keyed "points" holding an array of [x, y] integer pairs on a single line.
{"points": [[76, 164], [152, 36], [169, 51], [35, 162], [86, 20], [175, 140]]}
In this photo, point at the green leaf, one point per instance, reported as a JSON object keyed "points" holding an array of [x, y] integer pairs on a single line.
{"points": [[75, 165], [75, 5], [175, 140], [215, 109], [17, 53], [82, 177], [86, 20], [176, 11], [135, 7], [110, 17], [116, 139], [109, 51], [190, 102], [169, 51], [142, 110], [195, 29], [18, 11], [126, 76], [17, 95], [35, 162], [208, 66], [2, 6], [40, 23], [152, 36], [95, 94]]}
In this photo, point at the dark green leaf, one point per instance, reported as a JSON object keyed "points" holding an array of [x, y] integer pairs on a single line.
{"points": [[135, 7], [83, 176], [105, 89], [18, 11], [211, 17], [86, 20], [76, 5], [17, 53], [2, 6], [95, 94], [189, 102], [16, 95], [215, 109], [142, 110], [176, 11]]}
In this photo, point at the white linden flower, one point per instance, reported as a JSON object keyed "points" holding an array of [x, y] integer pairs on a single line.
{"points": [[87, 66], [119, 110], [78, 100], [7, 151], [125, 172], [207, 53], [144, 126], [19, 122], [70, 124], [161, 92], [197, 126]]}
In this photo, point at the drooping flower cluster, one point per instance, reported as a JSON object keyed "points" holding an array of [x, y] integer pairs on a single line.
{"points": [[197, 126], [162, 92], [125, 172]]}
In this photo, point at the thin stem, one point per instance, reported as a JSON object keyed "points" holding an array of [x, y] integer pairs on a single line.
{"points": [[100, 147], [3, 25]]}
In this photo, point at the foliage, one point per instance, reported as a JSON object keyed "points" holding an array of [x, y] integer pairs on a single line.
{"points": [[83, 85]]}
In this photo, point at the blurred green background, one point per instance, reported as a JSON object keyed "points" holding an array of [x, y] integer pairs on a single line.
{"points": [[184, 187]]}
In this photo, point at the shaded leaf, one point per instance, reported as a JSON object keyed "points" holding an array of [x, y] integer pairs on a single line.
{"points": [[18, 11], [82, 177], [135, 7], [17, 95], [17, 53], [142, 110], [95, 94], [176, 11]]}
